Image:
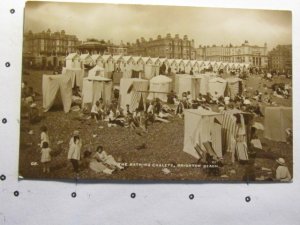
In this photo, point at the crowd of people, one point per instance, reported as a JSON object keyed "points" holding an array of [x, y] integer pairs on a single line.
{"points": [[147, 113], [100, 161]]}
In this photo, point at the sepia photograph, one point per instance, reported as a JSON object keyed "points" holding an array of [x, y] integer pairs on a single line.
{"points": [[156, 93]]}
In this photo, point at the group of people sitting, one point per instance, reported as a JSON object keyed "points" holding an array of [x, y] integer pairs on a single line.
{"points": [[139, 118], [29, 107], [212, 102], [281, 91]]}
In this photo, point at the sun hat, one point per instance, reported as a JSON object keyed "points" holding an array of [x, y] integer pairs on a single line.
{"points": [[280, 161], [76, 133]]}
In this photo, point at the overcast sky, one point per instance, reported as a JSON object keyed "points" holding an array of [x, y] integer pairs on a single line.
{"points": [[206, 26]]}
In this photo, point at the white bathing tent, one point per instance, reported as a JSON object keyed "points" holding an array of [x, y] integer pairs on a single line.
{"points": [[157, 61], [128, 64], [180, 64], [97, 60], [131, 92], [52, 85], [204, 83], [217, 86], [86, 59], [215, 66], [167, 63], [96, 71], [206, 64], [138, 66], [117, 58], [226, 67], [173, 65], [238, 66], [76, 75], [231, 66], [277, 120], [195, 66], [160, 86], [150, 69], [73, 61], [219, 65], [119, 62], [138, 61], [202, 128], [147, 60], [95, 88], [187, 66], [201, 65], [185, 82], [108, 64]]}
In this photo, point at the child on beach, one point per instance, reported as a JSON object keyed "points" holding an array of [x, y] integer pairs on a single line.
{"points": [[44, 135], [46, 157]]}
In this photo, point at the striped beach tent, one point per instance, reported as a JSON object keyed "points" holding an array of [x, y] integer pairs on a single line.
{"points": [[236, 127], [131, 92]]}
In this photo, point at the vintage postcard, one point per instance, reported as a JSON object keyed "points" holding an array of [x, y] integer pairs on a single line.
{"points": [[160, 93]]}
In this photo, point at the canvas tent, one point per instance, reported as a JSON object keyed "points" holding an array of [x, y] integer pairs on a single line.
{"points": [[138, 67], [86, 59], [180, 64], [201, 65], [117, 58], [147, 60], [150, 69], [173, 65], [131, 91], [215, 66], [195, 66], [217, 86], [128, 66], [200, 127], [187, 66], [231, 66], [52, 85], [76, 75], [96, 71], [73, 61], [160, 86], [108, 65], [97, 60], [157, 61], [236, 123], [95, 88], [167, 63], [277, 120], [220, 65], [118, 62], [203, 83], [234, 86], [184, 83], [206, 64]]}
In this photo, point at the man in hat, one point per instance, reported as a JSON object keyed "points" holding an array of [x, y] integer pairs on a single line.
{"points": [[282, 171]]}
